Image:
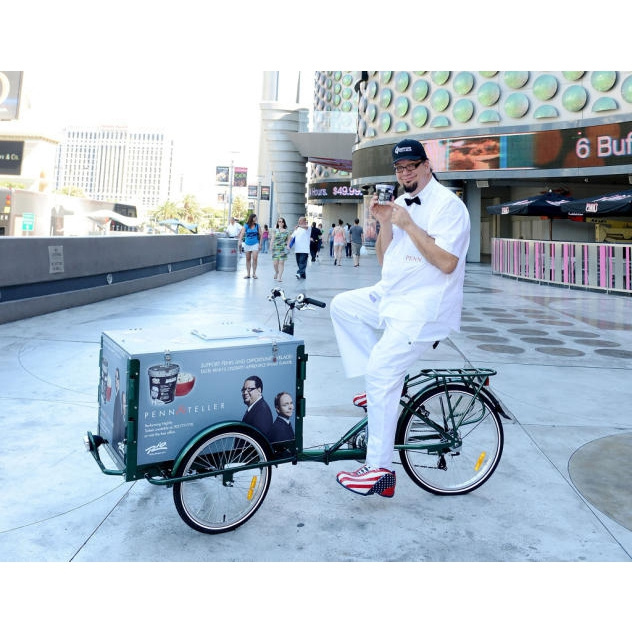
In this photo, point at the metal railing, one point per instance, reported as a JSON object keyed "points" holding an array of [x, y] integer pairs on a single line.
{"points": [[605, 267]]}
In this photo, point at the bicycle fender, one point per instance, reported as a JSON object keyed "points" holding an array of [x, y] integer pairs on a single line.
{"points": [[494, 401], [484, 393]]}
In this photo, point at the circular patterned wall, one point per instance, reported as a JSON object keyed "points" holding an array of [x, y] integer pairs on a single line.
{"points": [[339, 106], [393, 103]]}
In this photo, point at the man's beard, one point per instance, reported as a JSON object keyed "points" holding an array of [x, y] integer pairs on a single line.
{"points": [[411, 187]]}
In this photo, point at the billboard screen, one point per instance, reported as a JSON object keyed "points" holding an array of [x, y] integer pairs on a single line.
{"points": [[10, 86], [240, 177], [11, 153], [327, 191], [605, 145], [222, 175]]}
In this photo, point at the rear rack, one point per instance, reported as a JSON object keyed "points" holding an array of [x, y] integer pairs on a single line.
{"points": [[470, 376]]}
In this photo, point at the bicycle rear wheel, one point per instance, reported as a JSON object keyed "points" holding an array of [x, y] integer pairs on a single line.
{"points": [[220, 503], [462, 412]]}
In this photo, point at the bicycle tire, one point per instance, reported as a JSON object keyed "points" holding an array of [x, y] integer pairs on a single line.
{"points": [[451, 472], [216, 504]]}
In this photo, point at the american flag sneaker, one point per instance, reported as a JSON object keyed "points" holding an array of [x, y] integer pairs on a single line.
{"points": [[360, 400], [366, 481]]}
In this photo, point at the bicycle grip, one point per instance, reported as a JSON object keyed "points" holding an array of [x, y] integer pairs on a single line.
{"points": [[312, 301]]}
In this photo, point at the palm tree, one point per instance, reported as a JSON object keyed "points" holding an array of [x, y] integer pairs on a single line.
{"points": [[191, 213], [168, 210]]}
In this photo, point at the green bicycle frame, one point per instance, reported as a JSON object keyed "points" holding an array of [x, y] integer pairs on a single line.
{"points": [[444, 438]]}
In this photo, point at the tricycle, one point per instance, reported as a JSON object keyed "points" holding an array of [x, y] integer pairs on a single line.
{"points": [[181, 423]]}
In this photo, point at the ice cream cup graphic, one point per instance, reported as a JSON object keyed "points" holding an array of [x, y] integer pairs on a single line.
{"points": [[184, 384], [163, 379], [384, 193]]}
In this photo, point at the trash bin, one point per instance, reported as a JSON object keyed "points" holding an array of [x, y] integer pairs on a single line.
{"points": [[227, 254]]}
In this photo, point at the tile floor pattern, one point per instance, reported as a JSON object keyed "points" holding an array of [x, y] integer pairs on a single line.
{"points": [[560, 493], [496, 327]]}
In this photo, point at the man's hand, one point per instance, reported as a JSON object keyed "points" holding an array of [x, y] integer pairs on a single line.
{"points": [[401, 217], [381, 212], [393, 214]]}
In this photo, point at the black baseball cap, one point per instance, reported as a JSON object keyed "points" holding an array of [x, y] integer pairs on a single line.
{"points": [[408, 149]]}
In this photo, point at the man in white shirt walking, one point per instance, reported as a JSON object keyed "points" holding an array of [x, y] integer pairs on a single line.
{"points": [[301, 237], [234, 228]]}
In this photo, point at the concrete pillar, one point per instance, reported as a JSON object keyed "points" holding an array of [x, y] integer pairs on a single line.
{"points": [[473, 202], [288, 167]]}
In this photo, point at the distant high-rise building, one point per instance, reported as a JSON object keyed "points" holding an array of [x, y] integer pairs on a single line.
{"points": [[118, 164]]}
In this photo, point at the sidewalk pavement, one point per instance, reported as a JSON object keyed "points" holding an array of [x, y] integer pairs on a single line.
{"points": [[562, 490]]}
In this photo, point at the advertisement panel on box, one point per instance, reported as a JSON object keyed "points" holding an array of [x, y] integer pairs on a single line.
{"points": [[188, 389], [113, 390]]}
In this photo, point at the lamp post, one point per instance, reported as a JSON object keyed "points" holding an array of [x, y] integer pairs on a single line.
{"points": [[231, 176], [230, 189], [259, 181]]}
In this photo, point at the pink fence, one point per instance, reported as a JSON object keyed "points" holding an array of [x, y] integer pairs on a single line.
{"points": [[596, 266]]}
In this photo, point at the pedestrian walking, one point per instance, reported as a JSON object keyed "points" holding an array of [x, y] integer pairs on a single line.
{"points": [[348, 239], [251, 234], [280, 250], [356, 232], [330, 237], [340, 241], [301, 236], [314, 240], [265, 238]]}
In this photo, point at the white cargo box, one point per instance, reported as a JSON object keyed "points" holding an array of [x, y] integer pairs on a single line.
{"points": [[158, 388]]}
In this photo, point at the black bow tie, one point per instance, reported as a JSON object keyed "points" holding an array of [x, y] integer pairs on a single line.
{"points": [[414, 200]]}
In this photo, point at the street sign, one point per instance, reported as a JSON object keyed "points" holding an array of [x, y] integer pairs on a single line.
{"points": [[28, 221]]}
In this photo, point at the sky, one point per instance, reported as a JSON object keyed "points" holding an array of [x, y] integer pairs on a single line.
{"points": [[213, 117], [195, 69], [192, 69]]}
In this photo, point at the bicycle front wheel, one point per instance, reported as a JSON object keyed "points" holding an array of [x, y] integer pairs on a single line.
{"points": [[225, 501], [463, 415]]}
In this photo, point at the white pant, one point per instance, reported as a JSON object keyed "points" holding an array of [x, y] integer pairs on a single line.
{"points": [[383, 357]]}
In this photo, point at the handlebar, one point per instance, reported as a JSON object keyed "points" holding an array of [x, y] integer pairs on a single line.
{"points": [[299, 301], [301, 298]]}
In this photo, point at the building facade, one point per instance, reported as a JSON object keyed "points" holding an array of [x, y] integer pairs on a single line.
{"points": [[492, 136], [112, 163]]}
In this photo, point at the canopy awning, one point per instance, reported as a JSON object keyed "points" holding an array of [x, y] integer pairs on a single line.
{"points": [[330, 149], [614, 204], [174, 224], [548, 204], [105, 215]]}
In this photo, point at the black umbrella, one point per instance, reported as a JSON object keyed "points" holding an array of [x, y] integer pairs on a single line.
{"points": [[549, 204], [619, 203]]}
